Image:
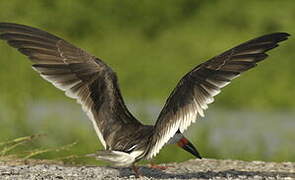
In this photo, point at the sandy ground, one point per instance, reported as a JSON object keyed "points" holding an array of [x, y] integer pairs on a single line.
{"points": [[193, 169]]}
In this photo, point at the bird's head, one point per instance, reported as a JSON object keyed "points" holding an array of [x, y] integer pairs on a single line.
{"points": [[185, 144], [189, 147]]}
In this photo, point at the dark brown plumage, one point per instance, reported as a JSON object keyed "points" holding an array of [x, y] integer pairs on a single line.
{"points": [[81, 75], [89, 80], [198, 87]]}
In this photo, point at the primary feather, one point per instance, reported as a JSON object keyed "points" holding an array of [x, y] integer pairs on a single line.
{"points": [[94, 85], [198, 87]]}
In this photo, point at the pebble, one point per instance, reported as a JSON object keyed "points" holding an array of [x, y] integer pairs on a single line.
{"points": [[192, 169]]}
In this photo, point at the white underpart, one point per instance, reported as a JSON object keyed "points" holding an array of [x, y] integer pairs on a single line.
{"points": [[120, 158]]}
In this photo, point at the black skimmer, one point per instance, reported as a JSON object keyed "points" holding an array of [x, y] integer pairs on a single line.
{"points": [[94, 85]]}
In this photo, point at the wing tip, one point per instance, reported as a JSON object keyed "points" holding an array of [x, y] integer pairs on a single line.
{"points": [[277, 36]]}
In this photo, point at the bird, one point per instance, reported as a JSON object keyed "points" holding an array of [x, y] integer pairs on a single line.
{"points": [[94, 85]]}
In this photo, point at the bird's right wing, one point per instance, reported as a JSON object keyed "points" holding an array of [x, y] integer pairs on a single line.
{"points": [[198, 87], [82, 76]]}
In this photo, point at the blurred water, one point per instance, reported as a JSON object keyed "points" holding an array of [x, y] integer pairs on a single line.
{"points": [[228, 131]]}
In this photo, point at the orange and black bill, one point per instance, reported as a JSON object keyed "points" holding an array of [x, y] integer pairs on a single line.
{"points": [[189, 147]]}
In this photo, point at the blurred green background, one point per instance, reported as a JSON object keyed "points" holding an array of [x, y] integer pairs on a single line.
{"points": [[151, 45]]}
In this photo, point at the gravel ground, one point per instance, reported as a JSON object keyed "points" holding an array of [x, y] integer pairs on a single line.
{"points": [[193, 169]]}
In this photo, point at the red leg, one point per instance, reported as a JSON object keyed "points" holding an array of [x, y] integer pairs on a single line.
{"points": [[135, 169], [155, 166]]}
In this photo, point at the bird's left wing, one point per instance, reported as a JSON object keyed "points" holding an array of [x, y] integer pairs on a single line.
{"points": [[198, 87], [79, 74]]}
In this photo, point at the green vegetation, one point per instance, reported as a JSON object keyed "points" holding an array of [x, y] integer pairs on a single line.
{"points": [[151, 45]]}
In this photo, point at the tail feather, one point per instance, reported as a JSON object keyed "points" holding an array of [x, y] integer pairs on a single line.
{"points": [[117, 158]]}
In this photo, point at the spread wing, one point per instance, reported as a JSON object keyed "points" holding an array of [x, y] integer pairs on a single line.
{"points": [[198, 87], [82, 76]]}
